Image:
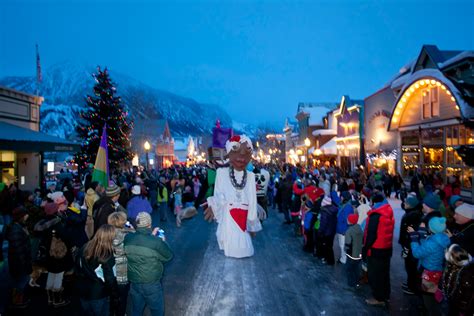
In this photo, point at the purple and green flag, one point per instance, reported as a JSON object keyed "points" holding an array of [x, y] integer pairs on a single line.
{"points": [[101, 168]]}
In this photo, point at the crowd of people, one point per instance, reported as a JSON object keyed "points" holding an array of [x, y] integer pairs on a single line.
{"points": [[100, 241], [352, 209], [96, 242]]}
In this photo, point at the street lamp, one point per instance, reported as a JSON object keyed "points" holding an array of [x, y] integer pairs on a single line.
{"points": [[307, 143], [147, 149]]}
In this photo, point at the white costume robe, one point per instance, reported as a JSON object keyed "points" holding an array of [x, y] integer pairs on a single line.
{"points": [[235, 212]]}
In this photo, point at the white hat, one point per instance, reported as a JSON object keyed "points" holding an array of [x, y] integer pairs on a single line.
{"points": [[235, 141], [466, 210], [136, 190]]}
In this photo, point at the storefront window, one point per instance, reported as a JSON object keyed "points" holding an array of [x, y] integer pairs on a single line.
{"points": [[456, 172], [462, 135], [433, 155], [432, 136], [7, 166], [455, 135], [467, 178], [449, 136], [410, 138]]}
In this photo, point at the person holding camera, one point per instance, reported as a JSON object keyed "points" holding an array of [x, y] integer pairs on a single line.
{"points": [[147, 252]]}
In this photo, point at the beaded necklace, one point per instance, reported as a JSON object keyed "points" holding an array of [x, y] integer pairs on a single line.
{"points": [[233, 181]]}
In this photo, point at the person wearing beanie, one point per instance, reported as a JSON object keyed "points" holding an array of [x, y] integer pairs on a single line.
{"points": [[456, 282], [107, 205], [146, 255], [431, 205], [345, 209], [19, 256], [430, 253], [411, 218], [463, 232], [138, 203], [353, 244], [378, 239]]}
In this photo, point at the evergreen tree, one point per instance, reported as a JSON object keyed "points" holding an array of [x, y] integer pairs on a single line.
{"points": [[104, 107]]}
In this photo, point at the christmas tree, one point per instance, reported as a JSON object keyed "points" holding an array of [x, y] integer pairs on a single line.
{"points": [[104, 107]]}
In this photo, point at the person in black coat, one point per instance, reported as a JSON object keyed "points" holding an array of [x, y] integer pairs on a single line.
{"points": [[97, 286], [286, 191], [327, 231], [411, 218], [19, 255]]}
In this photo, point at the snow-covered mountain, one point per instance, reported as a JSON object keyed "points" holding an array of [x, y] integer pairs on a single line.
{"points": [[65, 86]]}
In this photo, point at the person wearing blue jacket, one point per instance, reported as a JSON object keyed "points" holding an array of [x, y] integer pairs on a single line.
{"points": [[345, 209], [430, 253]]}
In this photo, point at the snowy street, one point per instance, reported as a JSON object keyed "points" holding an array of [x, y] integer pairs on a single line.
{"points": [[280, 279]]}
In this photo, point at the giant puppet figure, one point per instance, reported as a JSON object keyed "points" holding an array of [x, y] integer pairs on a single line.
{"points": [[234, 203]]}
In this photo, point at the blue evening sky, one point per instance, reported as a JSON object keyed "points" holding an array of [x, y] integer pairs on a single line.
{"points": [[257, 59]]}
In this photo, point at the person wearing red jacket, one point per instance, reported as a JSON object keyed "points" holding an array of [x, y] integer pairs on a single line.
{"points": [[378, 239]]}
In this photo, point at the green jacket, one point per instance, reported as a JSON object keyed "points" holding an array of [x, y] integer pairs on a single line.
{"points": [[146, 255]]}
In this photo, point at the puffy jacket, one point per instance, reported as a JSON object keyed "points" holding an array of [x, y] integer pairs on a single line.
{"points": [[19, 249], [431, 251], [136, 205], [378, 233], [328, 221], [146, 255], [344, 211]]}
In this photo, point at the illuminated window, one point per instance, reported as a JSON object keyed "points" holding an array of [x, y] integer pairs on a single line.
{"points": [[430, 102]]}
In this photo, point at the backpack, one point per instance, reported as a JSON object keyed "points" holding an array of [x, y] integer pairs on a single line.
{"points": [[58, 249]]}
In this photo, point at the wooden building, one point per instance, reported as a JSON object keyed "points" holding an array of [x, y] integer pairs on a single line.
{"points": [[433, 115]]}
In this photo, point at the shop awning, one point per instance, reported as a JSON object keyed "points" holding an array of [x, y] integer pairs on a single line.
{"points": [[17, 138], [329, 148]]}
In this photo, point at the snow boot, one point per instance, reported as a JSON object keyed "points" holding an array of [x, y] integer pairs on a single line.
{"points": [[19, 300], [50, 297], [59, 300]]}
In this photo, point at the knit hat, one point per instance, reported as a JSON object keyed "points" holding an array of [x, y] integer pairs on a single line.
{"points": [[437, 224], [353, 218], [112, 190], [136, 190], [432, 201], [326, 201], [314, 193], [143, 219], [50, 208], [466, 210], [18, 213], [453, 199], [411, 202], [345, 196], [367, 192]]}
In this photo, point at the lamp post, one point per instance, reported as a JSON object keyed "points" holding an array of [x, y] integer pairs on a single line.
{"points": [[147, 149], [307, 143]]}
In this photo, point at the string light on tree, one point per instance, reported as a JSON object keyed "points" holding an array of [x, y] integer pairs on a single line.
{"points": [[104, 107]]}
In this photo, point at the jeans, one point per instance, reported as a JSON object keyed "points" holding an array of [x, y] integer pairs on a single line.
{"points": [[163, 210], [342, 246], [98, 307], [353, 271], [147, 294]]}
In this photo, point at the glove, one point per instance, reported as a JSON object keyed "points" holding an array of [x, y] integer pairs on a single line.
{"points": [[415, 237], [405, 252]]}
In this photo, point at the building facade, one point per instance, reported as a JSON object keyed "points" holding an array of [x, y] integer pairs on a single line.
{"points": [[380, 143], [350, 127], [22, 145], [433, 115]]}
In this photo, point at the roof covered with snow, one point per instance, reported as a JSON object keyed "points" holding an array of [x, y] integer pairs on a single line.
{"points": [[316, 111]]}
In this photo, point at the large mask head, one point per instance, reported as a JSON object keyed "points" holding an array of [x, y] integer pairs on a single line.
{"points": [[239, 149]]}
